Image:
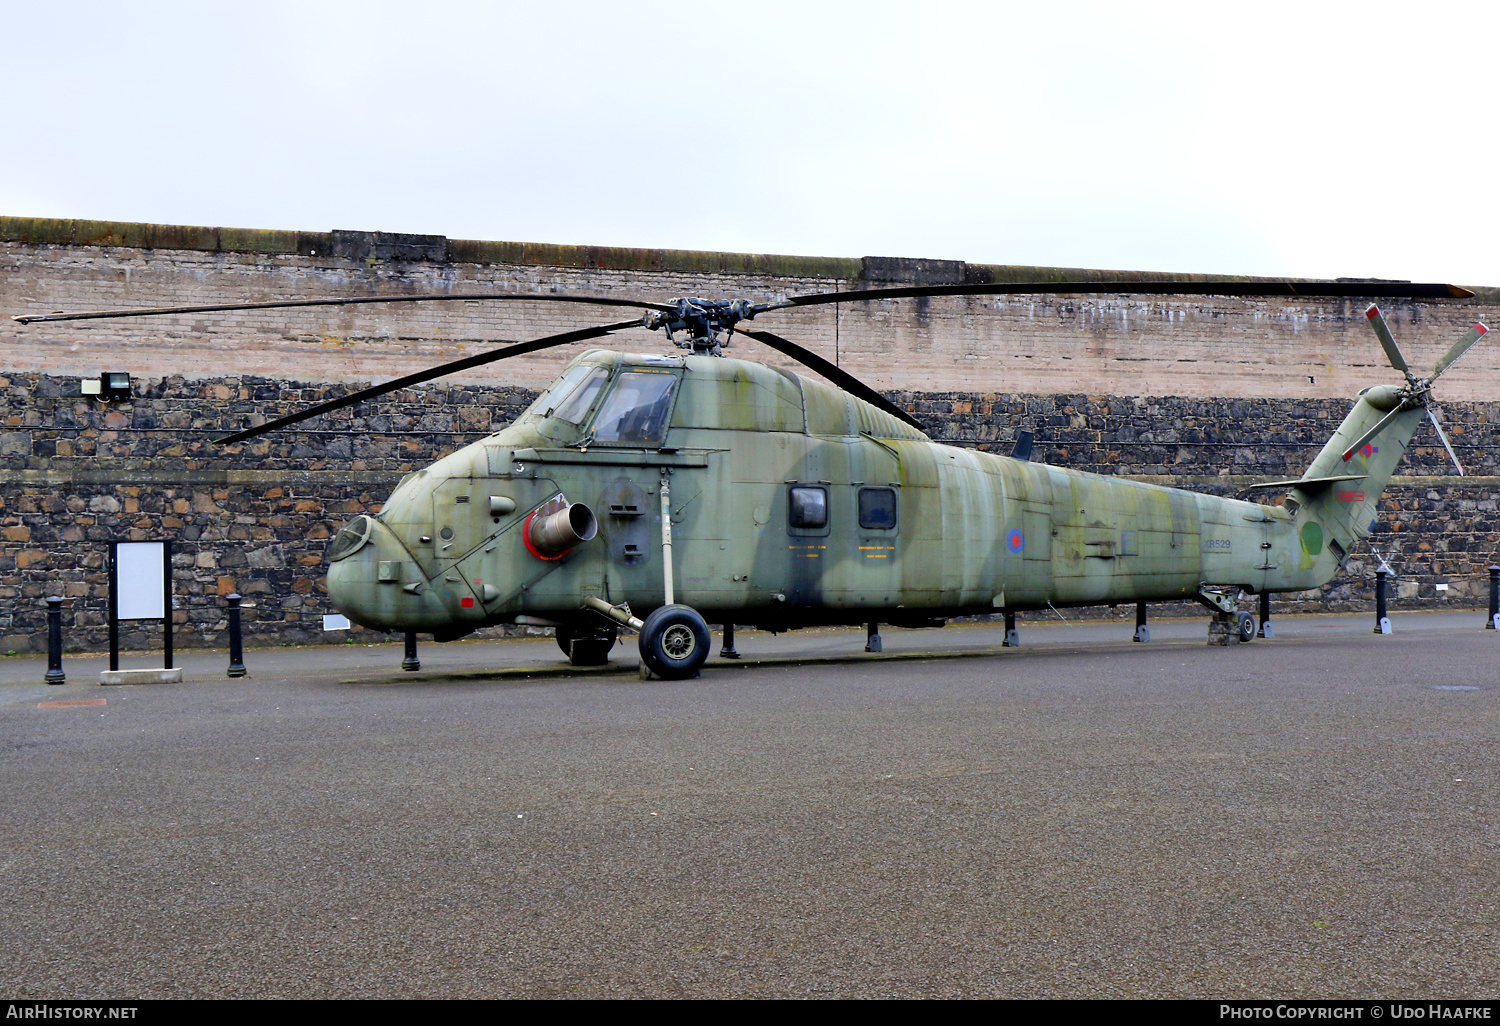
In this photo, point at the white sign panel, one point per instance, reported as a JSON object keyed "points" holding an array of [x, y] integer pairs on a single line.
{"points": [[335, 622], [139, 574]]}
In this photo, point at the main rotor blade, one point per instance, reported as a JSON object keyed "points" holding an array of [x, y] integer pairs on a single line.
{"points": [[1460, 347], [519, 349], [1359, 443], [848, 382], [1387, 340], [1443, 435], [467, 297], [1312, 289]]}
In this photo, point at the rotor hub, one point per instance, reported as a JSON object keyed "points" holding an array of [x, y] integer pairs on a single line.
{"points": [[706, 323]]}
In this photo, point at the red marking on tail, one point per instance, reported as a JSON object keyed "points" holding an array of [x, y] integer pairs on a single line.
{"points": [[1481, 328], [1347, 455], [1373, 312]]}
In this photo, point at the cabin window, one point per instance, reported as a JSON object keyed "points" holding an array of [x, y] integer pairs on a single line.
{"points": [[807, 506], [877, 508], [575, 407], [636, 411]]}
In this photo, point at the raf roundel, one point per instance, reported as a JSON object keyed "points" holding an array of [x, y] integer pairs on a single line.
{"points": [[1015, 541]]}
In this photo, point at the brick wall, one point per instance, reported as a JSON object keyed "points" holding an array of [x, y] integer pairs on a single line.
{"points": [[1120, 345]]}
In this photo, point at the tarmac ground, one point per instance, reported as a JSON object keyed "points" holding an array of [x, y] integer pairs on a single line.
{"points": [[1309, 816]]}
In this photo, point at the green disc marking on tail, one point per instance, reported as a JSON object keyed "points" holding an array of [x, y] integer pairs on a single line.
{"points": [[1312, 538]]}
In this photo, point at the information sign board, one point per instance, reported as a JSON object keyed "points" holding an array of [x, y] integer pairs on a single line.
{"points": [[141, 573]]}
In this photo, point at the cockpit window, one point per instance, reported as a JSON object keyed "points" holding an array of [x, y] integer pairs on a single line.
{"points": [[559, 391], [575, 406], [636, 412]]}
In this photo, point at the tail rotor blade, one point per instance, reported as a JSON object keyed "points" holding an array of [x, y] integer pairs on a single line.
{"points": [[1387, 341], [1459, 348], [1359, 443], [1432, 416]]}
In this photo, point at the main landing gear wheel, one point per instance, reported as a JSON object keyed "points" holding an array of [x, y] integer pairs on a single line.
{"points": [[586, 646], [674, 642], [1245, 624]]}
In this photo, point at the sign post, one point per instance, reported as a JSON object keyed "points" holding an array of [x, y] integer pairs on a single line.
{"points": [[140, 588]]}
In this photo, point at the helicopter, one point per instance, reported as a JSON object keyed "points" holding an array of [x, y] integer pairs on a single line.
{"points": [[661, 492]]}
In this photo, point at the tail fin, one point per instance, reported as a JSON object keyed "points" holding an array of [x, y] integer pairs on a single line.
{"points": [[1339, 492]]}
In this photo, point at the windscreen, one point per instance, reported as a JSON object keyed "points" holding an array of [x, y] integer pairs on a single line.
{"points": [[636, 412], [560, 390], [576, 405]]}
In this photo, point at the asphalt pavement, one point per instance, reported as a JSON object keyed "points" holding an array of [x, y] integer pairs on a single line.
{"points": [[1309, 816]]}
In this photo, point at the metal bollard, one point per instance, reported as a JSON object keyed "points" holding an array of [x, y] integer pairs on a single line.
{"points": [[236, 647], [1493, 623], [729, 651], [411, 662], [55, 673], [1382, 622]]}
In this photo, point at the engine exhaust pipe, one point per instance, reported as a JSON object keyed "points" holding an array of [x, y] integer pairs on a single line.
{"points": [[553, 535]]}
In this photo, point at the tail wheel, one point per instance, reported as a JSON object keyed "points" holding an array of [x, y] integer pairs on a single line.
{"points": [[1245, 625], [674, 642]]}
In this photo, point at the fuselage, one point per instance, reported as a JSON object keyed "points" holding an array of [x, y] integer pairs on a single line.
{"points": [[791, 503]]}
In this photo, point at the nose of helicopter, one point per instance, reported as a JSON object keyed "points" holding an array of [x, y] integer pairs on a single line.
{"points": [[375, 582]]}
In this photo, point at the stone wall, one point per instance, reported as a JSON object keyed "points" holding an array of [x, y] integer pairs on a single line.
{"points": [[76, 473]]}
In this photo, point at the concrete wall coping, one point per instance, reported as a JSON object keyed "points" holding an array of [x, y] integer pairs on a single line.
{"points": [[374, 247]]}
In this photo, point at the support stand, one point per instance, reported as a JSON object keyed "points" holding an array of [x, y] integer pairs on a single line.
{"points": [[1142, 632], [411, 662], [728, 651], [1382, 622], [1221, 629], [872, 638], [236, 646], [1266, 630], [55, 673], [1012, 636], [1493, 622]]}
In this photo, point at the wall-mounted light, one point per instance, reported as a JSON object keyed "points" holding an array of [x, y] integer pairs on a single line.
{"points": [[114, 386]]}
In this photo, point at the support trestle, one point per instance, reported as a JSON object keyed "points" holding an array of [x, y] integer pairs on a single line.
{"points": [[1142, 632]]}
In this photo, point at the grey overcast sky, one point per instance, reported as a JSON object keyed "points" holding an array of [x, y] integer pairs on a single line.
{"points": [[1271, 138]]}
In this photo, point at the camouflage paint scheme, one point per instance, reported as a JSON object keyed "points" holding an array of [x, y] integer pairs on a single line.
{"points": [[974, 532]]}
